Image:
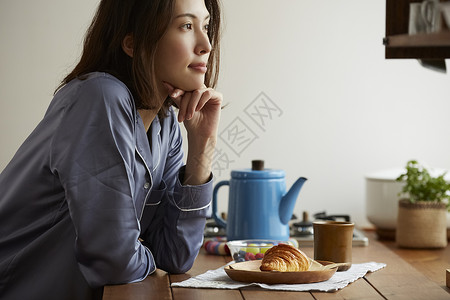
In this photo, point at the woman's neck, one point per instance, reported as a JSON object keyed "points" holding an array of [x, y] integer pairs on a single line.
{"points": [[147, 116]]}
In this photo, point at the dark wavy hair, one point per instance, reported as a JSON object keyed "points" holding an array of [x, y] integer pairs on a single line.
{"points": [[147, 21]]}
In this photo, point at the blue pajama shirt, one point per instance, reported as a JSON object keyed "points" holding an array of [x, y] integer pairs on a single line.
{"points": [[86, 184]]}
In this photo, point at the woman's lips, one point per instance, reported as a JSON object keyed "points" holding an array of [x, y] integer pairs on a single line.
{"points": [[200, 67]]}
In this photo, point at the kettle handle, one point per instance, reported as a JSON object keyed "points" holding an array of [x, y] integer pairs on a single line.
{"points": [[221, 222]]}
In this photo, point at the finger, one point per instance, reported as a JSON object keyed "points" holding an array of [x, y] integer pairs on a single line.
{"points": [[176, 93], [206, 96], [172, 91], [177, 100], [183, 105], [191, 109], [210, 97]]}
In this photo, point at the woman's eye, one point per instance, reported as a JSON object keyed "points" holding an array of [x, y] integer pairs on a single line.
{"points": [[187, 26], [206, 28]]}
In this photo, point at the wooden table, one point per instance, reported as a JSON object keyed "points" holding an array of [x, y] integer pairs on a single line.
{"points": [[409, 274]]}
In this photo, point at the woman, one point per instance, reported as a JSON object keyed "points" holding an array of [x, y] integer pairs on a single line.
{"points": [[98, 193]]}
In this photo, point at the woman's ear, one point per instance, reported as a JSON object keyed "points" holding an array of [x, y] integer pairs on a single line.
{"points": [[127, 45]]}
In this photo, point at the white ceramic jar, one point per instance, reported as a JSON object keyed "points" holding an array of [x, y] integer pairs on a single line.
{"points": [[382, 197]]}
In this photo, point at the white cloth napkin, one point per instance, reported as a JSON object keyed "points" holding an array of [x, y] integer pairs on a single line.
{"points": [[218, 279]]}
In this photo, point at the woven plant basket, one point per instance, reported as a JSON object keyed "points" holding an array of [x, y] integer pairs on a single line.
{"points": [[421, 224]]}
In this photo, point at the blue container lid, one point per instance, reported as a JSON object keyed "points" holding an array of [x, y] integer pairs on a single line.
{"points": [[257, 174]]}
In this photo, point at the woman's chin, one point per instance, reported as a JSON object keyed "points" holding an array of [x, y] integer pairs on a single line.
{"points": [[189, 86]]}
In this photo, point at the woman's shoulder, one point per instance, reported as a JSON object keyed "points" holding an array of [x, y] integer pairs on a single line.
{"points": [[97, 88], [104, 83]]}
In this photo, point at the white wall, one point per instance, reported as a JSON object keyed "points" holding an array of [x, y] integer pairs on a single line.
{"points": [[345, 110]]}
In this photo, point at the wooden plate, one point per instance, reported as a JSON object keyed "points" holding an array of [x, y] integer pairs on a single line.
{"points": [[248, 271]]}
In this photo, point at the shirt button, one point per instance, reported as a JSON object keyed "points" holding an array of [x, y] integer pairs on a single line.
{"points": [[146, 185]]}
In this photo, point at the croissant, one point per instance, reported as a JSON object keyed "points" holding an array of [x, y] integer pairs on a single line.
{"points": [[284, 258]]}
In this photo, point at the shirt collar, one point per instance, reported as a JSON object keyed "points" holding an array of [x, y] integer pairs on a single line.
{"points": [[151, 155]]}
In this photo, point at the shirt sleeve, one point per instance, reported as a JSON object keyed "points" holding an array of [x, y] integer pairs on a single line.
{"points": [[93, 153], [176, 224]]}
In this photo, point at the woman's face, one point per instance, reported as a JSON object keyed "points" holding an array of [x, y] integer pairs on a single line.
{"points": [[183, 51]]}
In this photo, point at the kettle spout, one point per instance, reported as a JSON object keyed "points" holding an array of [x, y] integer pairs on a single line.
{"points": [[287, 203]]}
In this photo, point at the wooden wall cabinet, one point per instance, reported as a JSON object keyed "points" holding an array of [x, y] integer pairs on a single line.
{"points": [[399, 44]]}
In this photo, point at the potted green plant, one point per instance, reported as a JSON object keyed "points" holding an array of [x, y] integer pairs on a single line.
{"points": [[422, 214]]}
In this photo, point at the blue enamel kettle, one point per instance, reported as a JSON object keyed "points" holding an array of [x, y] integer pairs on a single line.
{"points": [[258, 206]]}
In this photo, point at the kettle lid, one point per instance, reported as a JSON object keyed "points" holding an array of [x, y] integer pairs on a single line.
{"points": [[257, 172]]}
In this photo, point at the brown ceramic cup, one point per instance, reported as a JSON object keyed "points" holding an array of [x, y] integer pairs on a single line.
{"points": [[333, 242]]}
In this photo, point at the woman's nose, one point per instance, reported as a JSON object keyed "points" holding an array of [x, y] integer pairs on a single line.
{"points": [[203, 45]]}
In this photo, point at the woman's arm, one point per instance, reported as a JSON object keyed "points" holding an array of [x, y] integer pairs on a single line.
{"points": [[200, 112], [175, 227], [174, 217], [93, 154]]}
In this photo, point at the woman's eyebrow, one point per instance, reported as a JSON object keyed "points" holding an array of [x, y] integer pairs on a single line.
{"points": [[190, 16]]}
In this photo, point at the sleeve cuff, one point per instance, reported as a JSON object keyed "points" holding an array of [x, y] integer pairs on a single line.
{"points": [[151, 265], [192, 197]]}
